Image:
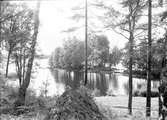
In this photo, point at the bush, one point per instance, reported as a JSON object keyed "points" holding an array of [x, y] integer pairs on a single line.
{"points": [[143, 93], [110, 93], [107, 112], [96, 93], [6, 102]]}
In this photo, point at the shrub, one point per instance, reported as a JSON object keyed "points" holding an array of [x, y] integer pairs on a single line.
{"points": [[107, 112], [96, 92], [110, 93], [143, 93]]}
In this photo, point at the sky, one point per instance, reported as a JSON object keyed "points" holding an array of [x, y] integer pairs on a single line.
{"points": [[55, 18]]}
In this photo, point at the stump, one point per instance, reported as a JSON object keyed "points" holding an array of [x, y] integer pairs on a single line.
{"points": [[75, 105]]}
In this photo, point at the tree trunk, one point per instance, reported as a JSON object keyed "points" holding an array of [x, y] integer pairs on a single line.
{"points": [[131, 38], [21, 96], [7, 64], [86, 36], [148, 102], [130, 73]]}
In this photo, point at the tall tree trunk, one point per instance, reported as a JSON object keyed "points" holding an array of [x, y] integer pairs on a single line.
{"points": [[86, 37], [148, 102], [26, 81], [131, 20], [7, 64], [130, 73]]}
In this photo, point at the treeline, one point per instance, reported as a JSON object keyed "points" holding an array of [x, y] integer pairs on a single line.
{"points": [[72, 54]]}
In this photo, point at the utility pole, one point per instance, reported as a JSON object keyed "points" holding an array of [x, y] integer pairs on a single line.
{"points": [[86, 37], [148, 102]]}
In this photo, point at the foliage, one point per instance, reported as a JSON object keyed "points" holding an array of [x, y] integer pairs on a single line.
{"points": [[140, 58], [73, 53], [16, 30], [70, 56]]}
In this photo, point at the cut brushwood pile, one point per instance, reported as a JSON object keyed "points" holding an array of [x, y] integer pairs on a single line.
{"points": [[75, 105]]}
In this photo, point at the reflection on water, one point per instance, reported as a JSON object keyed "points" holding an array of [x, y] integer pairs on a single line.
{"points": [[115, 82]]}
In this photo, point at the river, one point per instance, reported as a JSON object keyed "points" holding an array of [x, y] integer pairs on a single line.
{"points": [[116, 83]]}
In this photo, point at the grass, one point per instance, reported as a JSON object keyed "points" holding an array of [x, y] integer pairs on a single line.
{"points": [[119, 107]]}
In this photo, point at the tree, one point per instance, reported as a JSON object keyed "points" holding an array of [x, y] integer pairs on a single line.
{"points": [[16, 29], [125, 25], [26, 81], [74, 53], [115, 56], [70, 56], [135, 9], [9, 12], [99, 46], [55, 60]]}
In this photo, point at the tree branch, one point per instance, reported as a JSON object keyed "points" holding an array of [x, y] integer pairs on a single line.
{"points": [[120, 33]]}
